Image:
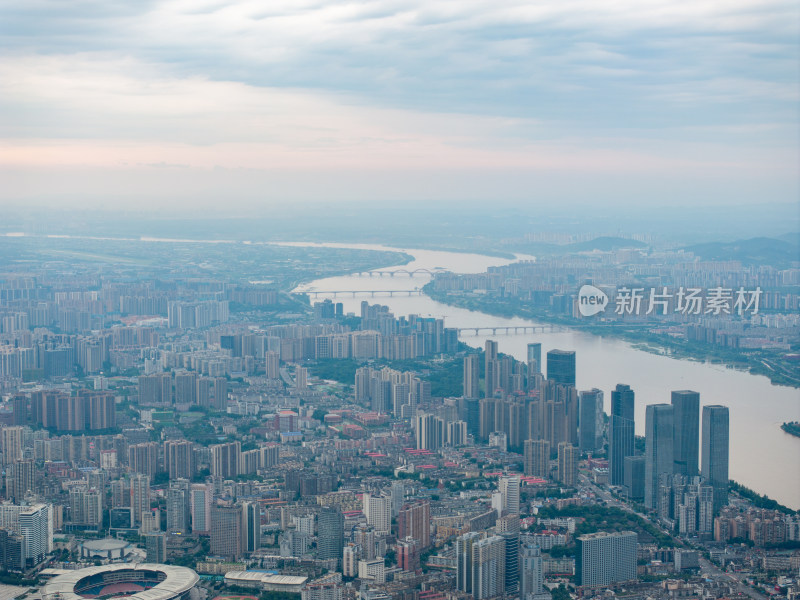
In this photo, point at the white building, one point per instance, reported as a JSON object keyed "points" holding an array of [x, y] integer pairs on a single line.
{"points": [[372, 570], [350, 556], [200, 497], [606, 558], [36, 528], [378, 511], [509, 489]]}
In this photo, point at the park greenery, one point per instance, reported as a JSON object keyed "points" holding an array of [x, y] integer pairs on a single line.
{"points": [[792, 428], [609, 519]]}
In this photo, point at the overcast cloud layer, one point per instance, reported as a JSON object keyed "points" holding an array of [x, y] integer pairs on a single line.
{"points": [[149, 103]]}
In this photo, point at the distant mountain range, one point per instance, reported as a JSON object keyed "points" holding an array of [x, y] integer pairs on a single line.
{"points": [[603, 244], [777, 252]]}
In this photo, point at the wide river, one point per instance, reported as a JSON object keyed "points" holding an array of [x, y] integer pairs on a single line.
{"points": [[762, 456]]}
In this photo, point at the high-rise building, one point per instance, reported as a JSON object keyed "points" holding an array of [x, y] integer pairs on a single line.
{"points": [[205, 386], [220, 393], [491, 368], [470, 412], [350, 557], [301, 378], [716, 443], [561, 366], [225, 459], [659, 436], [155, 389], [553, 415], [590, 420], [12, 551], [472, 373], [605, 558], [201, 498], [156, 547], [378, 512], [686, 432], [621, 432], [531, 583], [272, 365], [20, 479], [535, 354], [398, 493], [11, 440], [185, 388], [457, 433], [429, 431], [509, 493], [634, 477], [486, 418], [537, 458], [414, 521], [364, 537], [179, 459], [251, 527], [178, 507], [35, 529], [508, 528], [408, 551], [151, 521], [140, 496], [101, 409], [488, 567], [464, 566], [143, 458], [568, 456], [330, 540], [226, 531], [21, 412]]}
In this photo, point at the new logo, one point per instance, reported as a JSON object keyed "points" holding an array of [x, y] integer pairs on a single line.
{"points": [[591, 300]]}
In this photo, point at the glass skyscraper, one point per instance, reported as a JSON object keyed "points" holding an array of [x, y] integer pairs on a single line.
{"points": [[716, 441], [561, 366], [331, 534], [686, 432], [659, 437], [621, 432]]}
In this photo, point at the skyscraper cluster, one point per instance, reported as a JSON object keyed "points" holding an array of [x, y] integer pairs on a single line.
{"points": [[672, 447]]}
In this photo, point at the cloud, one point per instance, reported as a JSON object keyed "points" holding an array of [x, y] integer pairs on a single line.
{"points": [[83, 111], [577, 86]]}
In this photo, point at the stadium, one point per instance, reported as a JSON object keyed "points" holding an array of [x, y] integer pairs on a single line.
{"points": [[128, 581]]}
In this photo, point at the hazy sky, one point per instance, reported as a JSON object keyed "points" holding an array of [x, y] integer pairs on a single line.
{"points": [[154, 104]]}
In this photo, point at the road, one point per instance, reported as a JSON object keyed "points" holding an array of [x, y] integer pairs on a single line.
{"points": [[707, 568], [714, 571]]}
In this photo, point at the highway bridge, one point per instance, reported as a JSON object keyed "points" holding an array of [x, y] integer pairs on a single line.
{"points": [[354, 293], [509, 330], [404, 272]]}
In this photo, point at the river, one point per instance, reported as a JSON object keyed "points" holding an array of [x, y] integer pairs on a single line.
{"points": [[762, 456]]}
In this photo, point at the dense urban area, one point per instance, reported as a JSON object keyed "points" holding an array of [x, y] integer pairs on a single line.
{"points": [[176, 422]]}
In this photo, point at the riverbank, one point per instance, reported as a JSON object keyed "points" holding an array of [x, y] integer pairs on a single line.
{"points": [[756, 362]]}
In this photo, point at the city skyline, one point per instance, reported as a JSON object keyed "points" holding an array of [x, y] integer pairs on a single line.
{"points": [[395, 300]]}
